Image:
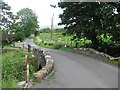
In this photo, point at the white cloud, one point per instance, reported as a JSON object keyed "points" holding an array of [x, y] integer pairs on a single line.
{"points": [[40, 7]]}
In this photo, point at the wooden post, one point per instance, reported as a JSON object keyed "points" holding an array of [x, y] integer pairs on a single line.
{"points": [[27, 69], [29, 48], [23, 47]]}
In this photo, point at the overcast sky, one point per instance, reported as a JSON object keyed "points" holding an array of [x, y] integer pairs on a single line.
{"points": [[40, 7]]}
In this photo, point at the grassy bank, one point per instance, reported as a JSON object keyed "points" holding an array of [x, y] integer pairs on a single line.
{"points": [[14, 68], [116, 63]]}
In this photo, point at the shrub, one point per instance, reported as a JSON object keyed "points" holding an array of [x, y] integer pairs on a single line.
{"points": [[50, 44], [42, 41], [19, 36], [57, 46], [64, 34], [45, 43], [36, 33], [37, 41], [74, 37]]}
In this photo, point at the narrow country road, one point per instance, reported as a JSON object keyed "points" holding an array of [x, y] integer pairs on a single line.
{"points": [[77, 71]]}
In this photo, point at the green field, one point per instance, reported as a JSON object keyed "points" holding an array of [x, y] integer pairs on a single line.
{"points": [[59, 41], [56, 36], [14, 68]]}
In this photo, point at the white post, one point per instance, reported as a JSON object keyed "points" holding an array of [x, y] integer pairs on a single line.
{"points": [[27, 69]]}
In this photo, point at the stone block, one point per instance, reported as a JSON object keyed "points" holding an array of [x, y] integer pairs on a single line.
{"points": [[40, 75]]}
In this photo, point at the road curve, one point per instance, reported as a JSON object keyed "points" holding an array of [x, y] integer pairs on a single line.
{"points": [[78, 71]]}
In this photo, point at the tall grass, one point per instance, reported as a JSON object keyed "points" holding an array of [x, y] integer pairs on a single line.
{"points": [[14, 68]]}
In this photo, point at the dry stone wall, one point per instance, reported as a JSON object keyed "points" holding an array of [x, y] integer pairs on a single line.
{"points": [[93, 53]]}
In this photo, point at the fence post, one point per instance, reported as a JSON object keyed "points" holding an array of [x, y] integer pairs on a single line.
{"points": [[29, 48], [23, 46], [27, 69]]}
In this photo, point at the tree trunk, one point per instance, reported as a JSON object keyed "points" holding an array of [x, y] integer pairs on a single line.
{"points": [[95, 42]]}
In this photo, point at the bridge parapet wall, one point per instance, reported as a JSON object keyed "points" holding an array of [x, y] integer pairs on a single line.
{"points": [[96, 54], [45, 63]]}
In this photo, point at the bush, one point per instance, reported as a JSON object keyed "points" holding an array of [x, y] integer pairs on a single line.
{"points": [[19, 36], [57, 46], [45, 43], [37, 40], [50, 44], [74, 37], [113, 51], [42, 41], [64, 34], [36, 33]]}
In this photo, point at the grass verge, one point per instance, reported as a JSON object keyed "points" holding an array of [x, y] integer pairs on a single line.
{"points": [[116, 63], [14, 68]]}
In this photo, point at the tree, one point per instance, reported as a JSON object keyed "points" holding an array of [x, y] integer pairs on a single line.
{"points": [[19, 32], [116, 21], [7, 20], [89, 19], [36, 33], [28, 21], [92, 20], [6, 16], [60, 30], [45, 30]]}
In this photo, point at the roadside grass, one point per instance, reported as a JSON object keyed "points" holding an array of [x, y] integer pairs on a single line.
{"points": [[14, 68], [116, 63]]}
